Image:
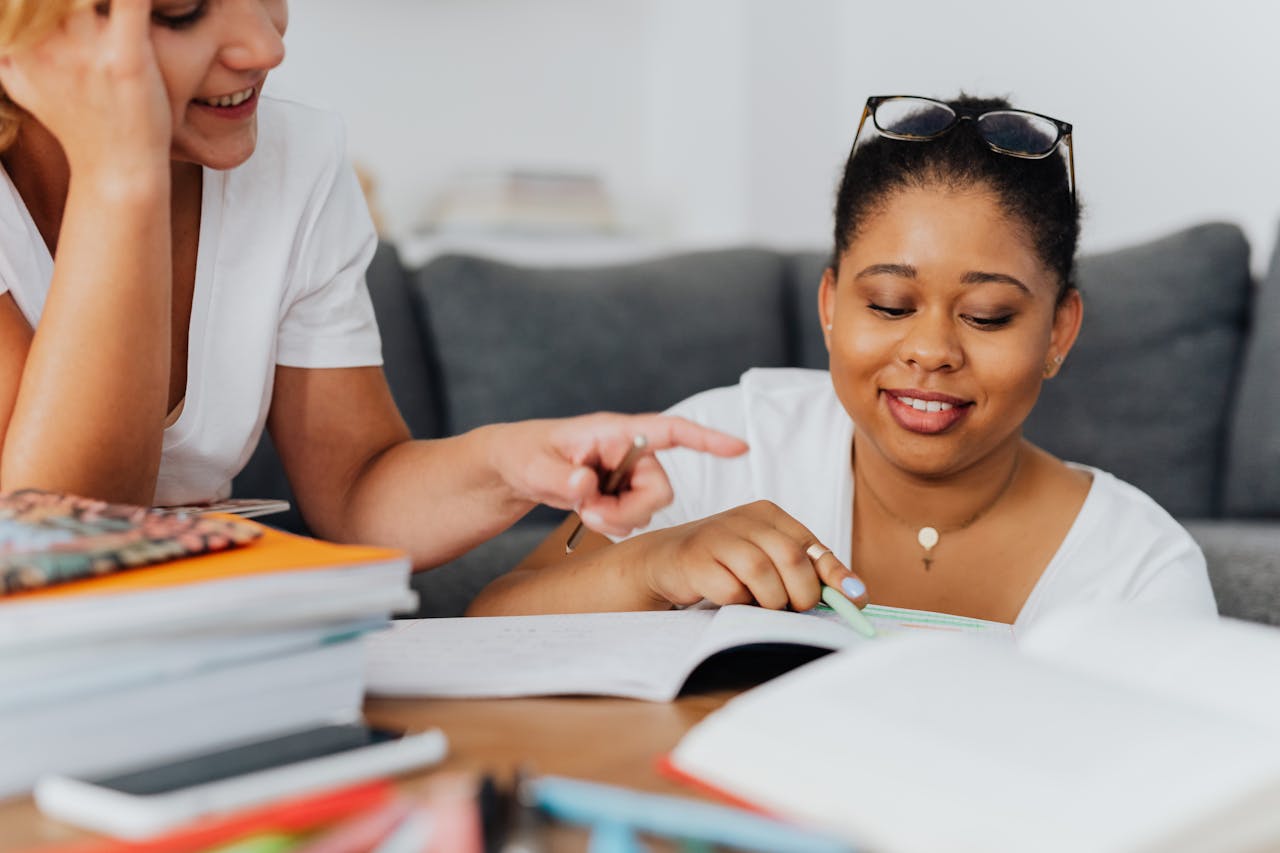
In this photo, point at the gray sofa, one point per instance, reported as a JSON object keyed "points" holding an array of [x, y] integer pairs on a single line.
{"points": [[1172, 386]]}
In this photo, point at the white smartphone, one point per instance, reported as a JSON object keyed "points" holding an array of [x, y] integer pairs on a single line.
{"points": [[149, 800]]}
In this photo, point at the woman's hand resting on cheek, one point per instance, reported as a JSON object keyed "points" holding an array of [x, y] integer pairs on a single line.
{"points": [[750, 554], [95, 85]]}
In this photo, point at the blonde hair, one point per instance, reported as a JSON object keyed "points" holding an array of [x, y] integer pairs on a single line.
{"points": [[23, 23]]}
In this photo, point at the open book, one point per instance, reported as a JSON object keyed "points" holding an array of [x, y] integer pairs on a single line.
{"points": [[638, 655], [1102, 730]]}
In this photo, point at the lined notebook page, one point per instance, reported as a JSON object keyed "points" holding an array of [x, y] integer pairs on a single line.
{"points": [[642, 655], [896, 620]]}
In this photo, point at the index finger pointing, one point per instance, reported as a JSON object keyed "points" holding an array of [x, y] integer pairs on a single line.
{"points": [[667, 431]]}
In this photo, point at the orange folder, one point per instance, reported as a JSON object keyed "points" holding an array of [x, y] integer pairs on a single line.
{"points": [[275, 552]]}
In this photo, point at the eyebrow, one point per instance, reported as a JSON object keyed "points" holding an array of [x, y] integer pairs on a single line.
{"points": [[997, 277], [973, 277], [899, 270]]}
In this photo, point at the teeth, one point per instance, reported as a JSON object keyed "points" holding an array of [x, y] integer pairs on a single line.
{"points": [[234, 100], [925, 405]]}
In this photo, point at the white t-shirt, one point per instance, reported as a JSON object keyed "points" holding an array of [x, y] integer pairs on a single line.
{"points": [[284, 242], [1122, 547]]}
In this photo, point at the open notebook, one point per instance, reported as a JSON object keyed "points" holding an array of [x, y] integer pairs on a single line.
{"points": [[638, 655], [1102, 730]]}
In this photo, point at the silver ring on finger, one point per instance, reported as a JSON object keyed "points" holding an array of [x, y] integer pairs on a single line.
{"points": [[816, 552]]}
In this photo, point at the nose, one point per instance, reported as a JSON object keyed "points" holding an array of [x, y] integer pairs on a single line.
{"points": [[257, 35], [930, 342]]}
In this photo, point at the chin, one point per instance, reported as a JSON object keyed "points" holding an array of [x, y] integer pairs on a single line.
{"points": [[220, 156], [926, 457]]}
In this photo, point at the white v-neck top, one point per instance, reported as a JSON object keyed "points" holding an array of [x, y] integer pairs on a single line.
{"points": [[284, 242], [1122, 547]]}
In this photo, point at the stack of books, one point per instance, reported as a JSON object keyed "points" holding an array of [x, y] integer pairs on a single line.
{"points": [[125, 640]]}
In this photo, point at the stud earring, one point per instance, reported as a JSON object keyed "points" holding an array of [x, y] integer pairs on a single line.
{"points": [[828, 327]]}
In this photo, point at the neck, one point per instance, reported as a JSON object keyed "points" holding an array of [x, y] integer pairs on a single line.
{"points": [[40, 171], [943, 502]]}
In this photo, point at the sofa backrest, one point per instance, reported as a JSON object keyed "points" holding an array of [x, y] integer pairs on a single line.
{"points": [[517, 342], [408, 352], [1148, 391], [1253, 452]]}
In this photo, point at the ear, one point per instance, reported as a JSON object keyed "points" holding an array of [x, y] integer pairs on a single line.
{"points": [[827, 304], [1066, 328]]}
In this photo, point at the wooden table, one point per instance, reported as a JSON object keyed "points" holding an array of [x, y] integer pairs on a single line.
{"points": [[606, 740]]}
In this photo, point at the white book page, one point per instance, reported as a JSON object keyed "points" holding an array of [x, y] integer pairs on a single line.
{"points": [[638, 655], [231, 605], [1222, 665], [741, 624], [1000, 752], [62, 675]]}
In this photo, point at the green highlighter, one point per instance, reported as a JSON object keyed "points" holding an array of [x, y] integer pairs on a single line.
{"points": [[848, 611], [268, 842]]}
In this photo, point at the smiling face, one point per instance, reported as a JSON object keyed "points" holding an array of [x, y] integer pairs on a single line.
{"points": [[214, 56], [942, 320]]}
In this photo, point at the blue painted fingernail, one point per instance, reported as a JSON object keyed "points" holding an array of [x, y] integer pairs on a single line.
{"points": [[853, 587]]}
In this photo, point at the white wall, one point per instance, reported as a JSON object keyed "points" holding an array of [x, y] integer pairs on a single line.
{"points": [[727, 120]]}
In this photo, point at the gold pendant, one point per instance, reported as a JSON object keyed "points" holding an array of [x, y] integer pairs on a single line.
{"points": [[927, 537]]}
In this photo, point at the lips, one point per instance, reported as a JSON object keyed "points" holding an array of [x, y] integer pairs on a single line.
{"points": [[232, 105], [925, 412]]}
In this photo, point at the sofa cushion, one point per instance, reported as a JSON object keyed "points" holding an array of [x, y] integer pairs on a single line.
{"points": [[1244, 567], [1253, 453], [519, 342], [1146, 392]]}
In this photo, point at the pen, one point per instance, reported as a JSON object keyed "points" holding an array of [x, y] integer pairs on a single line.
{"points": [[592, 804], [613, 838], [617, 477], [848, 611], [526, 829]]}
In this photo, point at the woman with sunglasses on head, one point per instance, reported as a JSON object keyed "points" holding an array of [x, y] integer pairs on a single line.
{"points": [[182, 259], [948, 301]]}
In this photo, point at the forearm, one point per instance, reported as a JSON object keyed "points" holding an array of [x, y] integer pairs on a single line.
{"points": [[435, 499], [609, 578], [89, 413]]}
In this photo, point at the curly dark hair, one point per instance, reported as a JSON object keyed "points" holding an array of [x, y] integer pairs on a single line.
{"points": [[1036, 193]]}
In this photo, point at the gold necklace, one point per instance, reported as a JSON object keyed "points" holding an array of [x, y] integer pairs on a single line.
{"points": [[929, 536]]}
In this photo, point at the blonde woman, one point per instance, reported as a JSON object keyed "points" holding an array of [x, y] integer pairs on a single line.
{"points": [[182, 262]]}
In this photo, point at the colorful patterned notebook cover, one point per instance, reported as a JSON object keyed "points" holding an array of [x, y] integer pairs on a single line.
{"points": [[48, 539]]}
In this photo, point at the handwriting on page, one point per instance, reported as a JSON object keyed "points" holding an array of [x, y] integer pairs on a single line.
{"points": [[625, 654]]}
